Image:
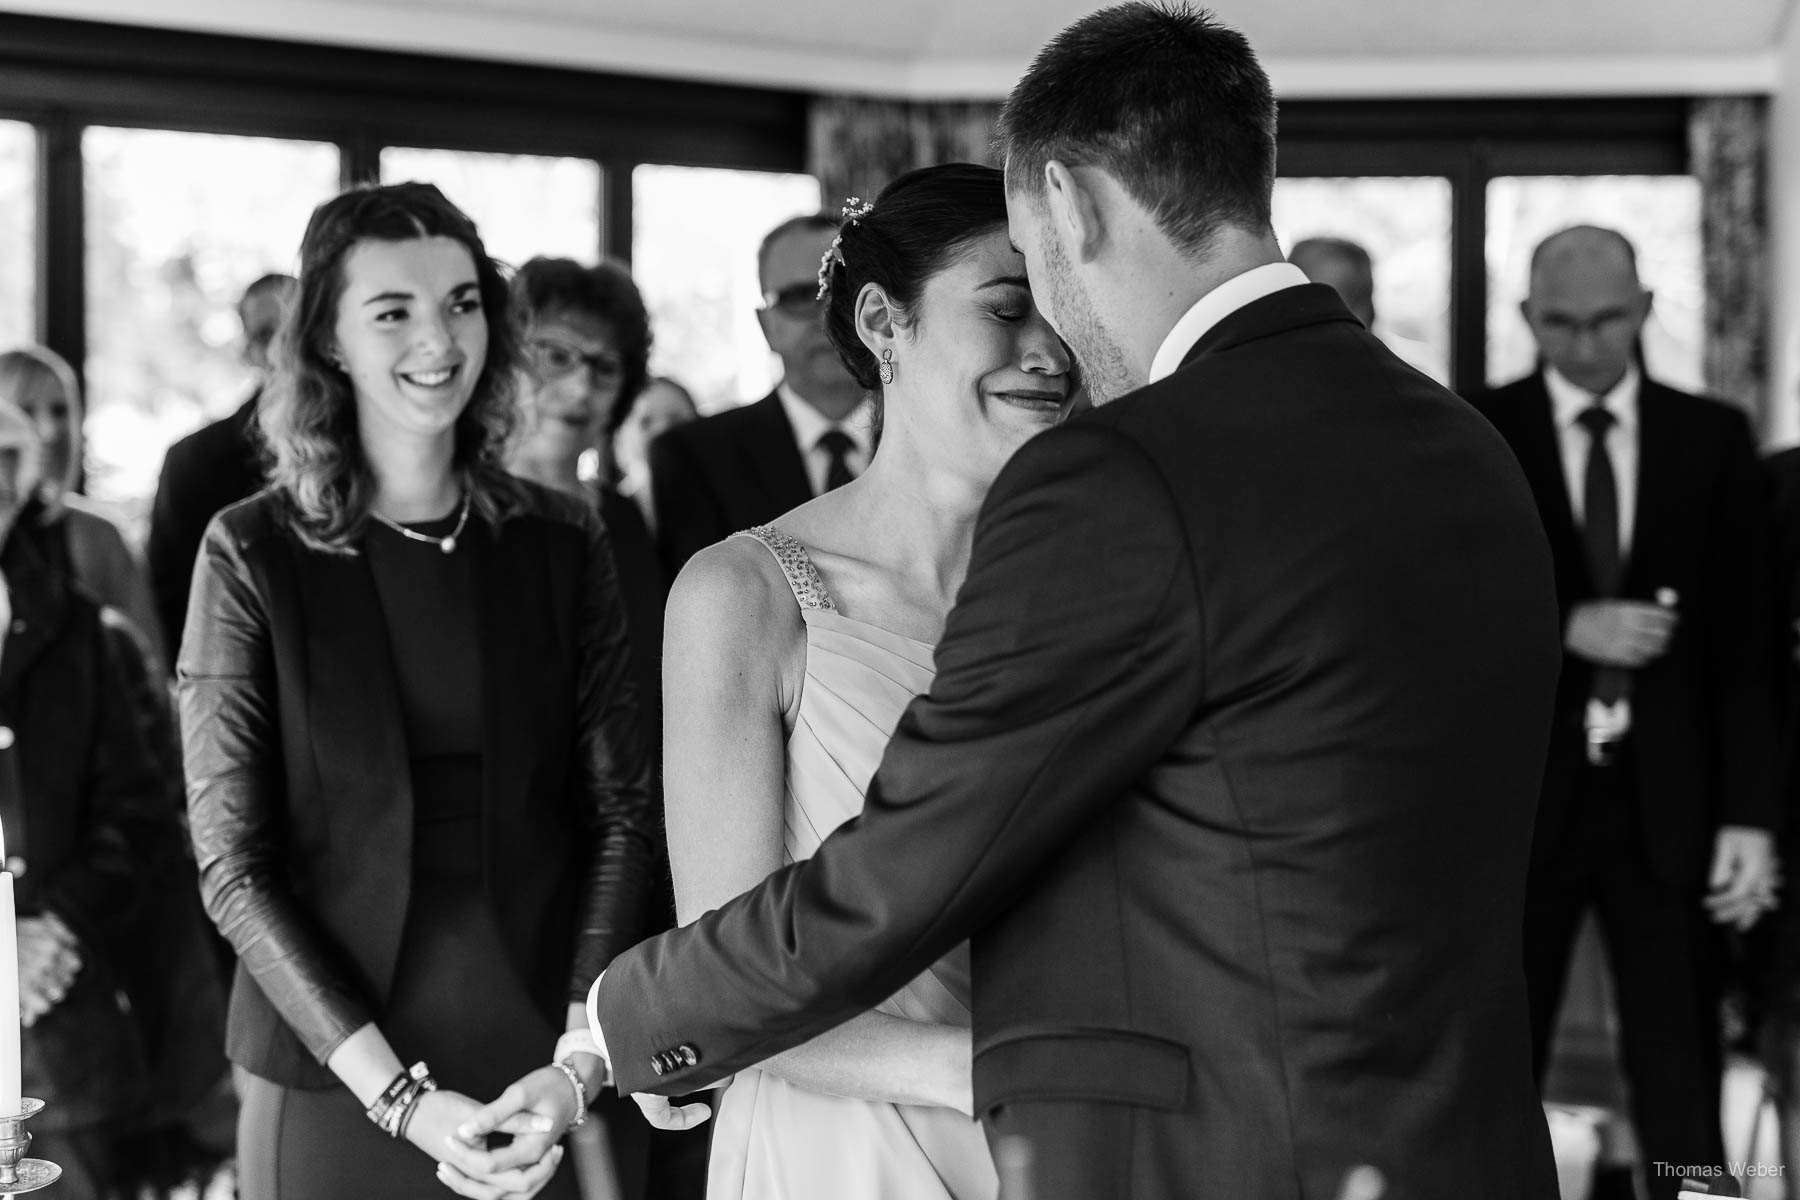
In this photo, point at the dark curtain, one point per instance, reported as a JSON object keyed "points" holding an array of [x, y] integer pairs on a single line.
{"points": [[857, 145]]}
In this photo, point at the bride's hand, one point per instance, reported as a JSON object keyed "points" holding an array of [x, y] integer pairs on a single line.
{"points": [[537, 1110], [465, 1166]]}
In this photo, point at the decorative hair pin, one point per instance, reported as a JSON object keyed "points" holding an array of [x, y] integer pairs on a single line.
{"points": [[855, 209]]}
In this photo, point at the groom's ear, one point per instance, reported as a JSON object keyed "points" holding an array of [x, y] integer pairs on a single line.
{"points": [[1075, 211]]}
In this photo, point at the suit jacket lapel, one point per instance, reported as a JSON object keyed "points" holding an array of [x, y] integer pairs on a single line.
{"points": [[1659, 463], [1540, 454], [774, 455], [354, 710]]}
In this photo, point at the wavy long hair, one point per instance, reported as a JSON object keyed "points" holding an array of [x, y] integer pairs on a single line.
{"points": [[308, 411]]}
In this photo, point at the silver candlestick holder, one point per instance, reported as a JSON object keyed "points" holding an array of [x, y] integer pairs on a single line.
{"points": [[19, 1174]]}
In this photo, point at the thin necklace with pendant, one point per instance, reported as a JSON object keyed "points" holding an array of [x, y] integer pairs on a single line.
{"points": [[445, 544]]}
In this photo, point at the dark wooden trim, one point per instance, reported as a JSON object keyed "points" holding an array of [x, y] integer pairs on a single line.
{"points": [[62, 237], [111, 74], [615, 210], [1468, 274]]}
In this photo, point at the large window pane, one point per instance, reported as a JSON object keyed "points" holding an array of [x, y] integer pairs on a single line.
{"points": [[1661, 216], [1404, 224], [694, 237], [18, 232], [177, 225], [524, 204]]}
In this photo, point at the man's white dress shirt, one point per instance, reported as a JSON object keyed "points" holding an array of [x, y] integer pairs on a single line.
{"points": [[810, 425]]}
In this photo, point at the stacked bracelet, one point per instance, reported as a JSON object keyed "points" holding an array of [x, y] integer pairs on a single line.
{"points": [[393, 1109], [567, 1067]]}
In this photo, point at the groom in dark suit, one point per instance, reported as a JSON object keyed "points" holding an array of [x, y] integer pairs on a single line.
{"points": [[1229, 768]]}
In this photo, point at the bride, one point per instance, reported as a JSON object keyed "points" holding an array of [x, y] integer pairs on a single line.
{"points": [[793, 649]]}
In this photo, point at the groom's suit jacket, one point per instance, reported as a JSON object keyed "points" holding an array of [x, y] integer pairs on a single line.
{"points": [[1228, 773]]}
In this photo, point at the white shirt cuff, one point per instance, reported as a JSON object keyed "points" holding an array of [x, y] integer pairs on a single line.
{"points": [[593, 1017]]}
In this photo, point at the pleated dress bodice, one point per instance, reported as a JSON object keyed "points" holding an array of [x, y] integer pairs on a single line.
{"points": [[772, 1138]]}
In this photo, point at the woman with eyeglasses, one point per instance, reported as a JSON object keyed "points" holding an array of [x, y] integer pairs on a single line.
{"points": [[420, 791], [587, 352]]}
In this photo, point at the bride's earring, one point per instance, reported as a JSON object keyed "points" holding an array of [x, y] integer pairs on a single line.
{"points": [[886, 369]]}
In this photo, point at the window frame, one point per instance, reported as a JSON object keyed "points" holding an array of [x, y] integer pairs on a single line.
{"points": [[63, 75], [1471, 142]]}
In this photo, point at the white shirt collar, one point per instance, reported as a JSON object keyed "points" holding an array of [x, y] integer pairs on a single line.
{"points": [[6, 613], [810, 424], [1215, 306], [1567, 400]]}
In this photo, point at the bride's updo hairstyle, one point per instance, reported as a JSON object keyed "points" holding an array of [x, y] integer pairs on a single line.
{"points": [[920, 224]]}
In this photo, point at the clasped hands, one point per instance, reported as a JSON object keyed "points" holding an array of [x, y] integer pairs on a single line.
{"points": [[535, 1112], [49, 960]]}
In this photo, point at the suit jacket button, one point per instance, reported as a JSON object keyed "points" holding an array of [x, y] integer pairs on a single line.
{"points": [[6, 737], [16, 865], [656, 1063], [688, 1057]]}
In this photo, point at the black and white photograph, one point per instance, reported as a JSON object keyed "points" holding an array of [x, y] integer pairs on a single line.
{"points": [[819, 600]]}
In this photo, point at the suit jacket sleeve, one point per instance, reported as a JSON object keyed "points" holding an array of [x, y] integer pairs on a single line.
{"points": [[1069, 665], [688, 516], [1743, 646], [176, 525]]}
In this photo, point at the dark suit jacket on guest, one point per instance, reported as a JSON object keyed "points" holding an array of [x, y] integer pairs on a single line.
{"points": [[207, 471], [713, 477], [1228, 774], [298, 780], [1703, 715]]}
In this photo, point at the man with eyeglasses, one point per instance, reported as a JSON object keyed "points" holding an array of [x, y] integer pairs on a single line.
{"points": [[1661, 786], [746, 466]]}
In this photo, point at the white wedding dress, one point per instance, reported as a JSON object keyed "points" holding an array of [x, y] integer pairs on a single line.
{"points": [[773, 1140]]}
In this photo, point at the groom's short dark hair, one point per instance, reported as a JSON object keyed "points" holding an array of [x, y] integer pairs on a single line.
{"points": [[1167, 100]]}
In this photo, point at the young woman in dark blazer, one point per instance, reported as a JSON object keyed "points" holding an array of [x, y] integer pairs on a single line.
{"points": [[419, 790]]}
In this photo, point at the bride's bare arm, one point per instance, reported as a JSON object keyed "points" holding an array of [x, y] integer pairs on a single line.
{"points": [[733, 660]]}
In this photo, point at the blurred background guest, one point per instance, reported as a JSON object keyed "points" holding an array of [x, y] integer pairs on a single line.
{"points": [[587, 350], [211, 468], [1345, 266], [660, 407], [745, 466], [90, 835], [81, 543], [1661, 793], [419, 789]]}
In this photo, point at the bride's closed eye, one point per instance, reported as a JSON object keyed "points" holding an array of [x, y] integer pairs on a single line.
{"points": [[1008, 308]]}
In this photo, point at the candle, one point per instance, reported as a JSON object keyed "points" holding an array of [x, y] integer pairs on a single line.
{"points": [[9, 993]]}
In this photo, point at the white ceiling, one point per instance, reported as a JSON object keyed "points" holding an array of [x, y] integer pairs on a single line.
{"points": [[977, 47]]}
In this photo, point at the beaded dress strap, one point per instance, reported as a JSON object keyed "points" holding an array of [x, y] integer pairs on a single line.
{"points": [[796, 565]]}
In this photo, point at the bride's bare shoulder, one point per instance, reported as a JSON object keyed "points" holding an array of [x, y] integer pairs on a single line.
{"points": [[732, 588]]}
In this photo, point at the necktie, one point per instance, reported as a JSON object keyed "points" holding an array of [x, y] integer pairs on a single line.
{"points": [[1600, 531], [837, 446]]}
